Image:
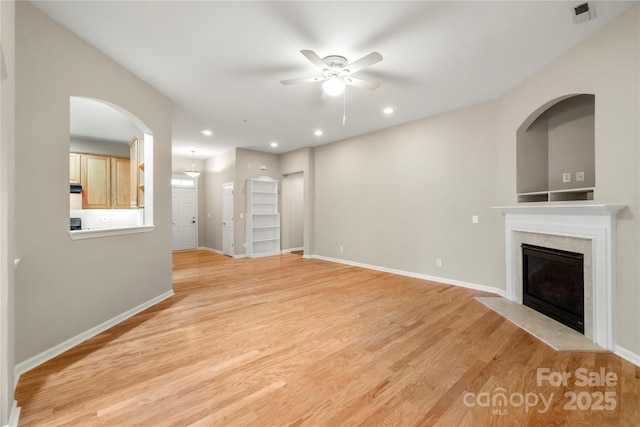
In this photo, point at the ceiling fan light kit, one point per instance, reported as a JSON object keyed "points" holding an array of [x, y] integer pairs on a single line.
{"points": [[334, 86]]}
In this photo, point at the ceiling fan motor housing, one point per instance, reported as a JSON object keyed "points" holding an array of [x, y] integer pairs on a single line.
{"points": [[335, 63]]}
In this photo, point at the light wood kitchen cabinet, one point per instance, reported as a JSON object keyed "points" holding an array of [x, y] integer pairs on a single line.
{"points": [[105, 181], [74, 168], [120, 183], [136, 192], [96, 181]]}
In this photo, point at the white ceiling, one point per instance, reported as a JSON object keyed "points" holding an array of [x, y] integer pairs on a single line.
{"points": [[221, 62]]}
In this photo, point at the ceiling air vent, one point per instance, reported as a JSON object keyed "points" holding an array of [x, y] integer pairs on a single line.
{"points": [[582, 13]]}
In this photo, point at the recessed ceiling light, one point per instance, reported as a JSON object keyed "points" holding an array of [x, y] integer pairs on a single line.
{"points": [[207, 132], [274, 144], [389, 110], [318, 132]]}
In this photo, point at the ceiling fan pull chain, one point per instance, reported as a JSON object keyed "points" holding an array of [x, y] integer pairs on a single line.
{"points": [[344, 108]]}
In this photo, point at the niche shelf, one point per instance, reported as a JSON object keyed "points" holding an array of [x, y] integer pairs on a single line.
{"points": [[557, 196]]}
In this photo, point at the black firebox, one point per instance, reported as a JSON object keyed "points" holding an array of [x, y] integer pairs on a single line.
{"points": [[553, 284]]}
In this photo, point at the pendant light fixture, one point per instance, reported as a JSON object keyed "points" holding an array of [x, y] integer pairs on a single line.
{"points": [[193, 170]]}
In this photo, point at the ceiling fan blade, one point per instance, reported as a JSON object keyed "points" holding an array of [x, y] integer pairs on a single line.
{"points": [[361, 83], [364, 62], [315, 59], [304, 80]]}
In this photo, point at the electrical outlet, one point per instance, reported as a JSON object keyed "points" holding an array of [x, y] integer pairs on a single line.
{"points": [[341, 248], [438, 262], [579, 176], [566, 177], [474, 219]]}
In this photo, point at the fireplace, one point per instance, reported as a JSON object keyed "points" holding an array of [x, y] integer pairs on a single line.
{"points": [[553, 284], [585, 228]]}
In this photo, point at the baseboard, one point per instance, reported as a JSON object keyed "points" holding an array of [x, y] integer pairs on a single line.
{"points": [[444, 280], [628, 355], [286, 251], [215, 251], [14, 416], [54, 351]]}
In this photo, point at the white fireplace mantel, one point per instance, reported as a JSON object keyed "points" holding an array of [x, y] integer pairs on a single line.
{"points": [[562, 209], [596, 222]]}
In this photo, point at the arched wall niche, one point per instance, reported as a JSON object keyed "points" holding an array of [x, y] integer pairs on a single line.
{"points": [[555, 151]]}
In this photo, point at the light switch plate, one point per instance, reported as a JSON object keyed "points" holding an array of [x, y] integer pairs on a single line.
{"points": [[579, 176]]}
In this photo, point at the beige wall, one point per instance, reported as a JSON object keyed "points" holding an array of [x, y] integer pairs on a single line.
{"points": [[65, 287], [404, 197]]}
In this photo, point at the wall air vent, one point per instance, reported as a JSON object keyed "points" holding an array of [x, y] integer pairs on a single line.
{"points": [[582, 13]]}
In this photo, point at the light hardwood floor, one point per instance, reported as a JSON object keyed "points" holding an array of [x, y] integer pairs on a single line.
{"points": [[287, 341]]}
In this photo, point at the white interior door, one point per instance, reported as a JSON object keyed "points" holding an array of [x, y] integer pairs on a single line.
{"points": [[227, 219], [184, 218]]}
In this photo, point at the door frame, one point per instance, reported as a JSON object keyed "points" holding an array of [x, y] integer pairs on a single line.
{"points": [[194, 186], [233, 251], [286, 211]]}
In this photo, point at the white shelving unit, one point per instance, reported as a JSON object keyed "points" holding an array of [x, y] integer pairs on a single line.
{"points": [[263, 219]]}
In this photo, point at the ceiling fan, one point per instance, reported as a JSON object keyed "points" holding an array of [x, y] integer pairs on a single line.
{"points": [[337, 72]]}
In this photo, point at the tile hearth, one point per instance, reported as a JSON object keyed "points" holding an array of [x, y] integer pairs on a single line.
{"points": [[552, 333]]}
